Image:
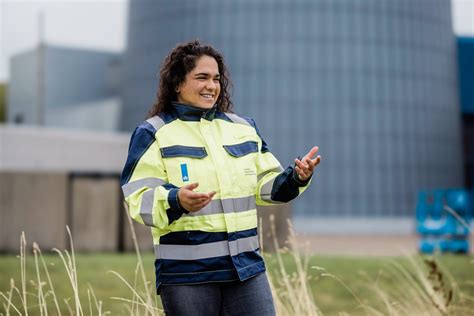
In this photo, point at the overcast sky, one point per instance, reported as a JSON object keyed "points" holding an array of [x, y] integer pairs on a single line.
{"points": [[81, 23]]}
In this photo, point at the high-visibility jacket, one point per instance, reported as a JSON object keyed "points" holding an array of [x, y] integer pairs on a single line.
{"points": [[223, 152]]}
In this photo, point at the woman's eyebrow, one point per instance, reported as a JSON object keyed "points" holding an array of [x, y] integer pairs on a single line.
{"points": [[206, 74]]}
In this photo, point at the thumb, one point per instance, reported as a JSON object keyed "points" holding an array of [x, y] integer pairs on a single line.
{"points": [[191, 186]]}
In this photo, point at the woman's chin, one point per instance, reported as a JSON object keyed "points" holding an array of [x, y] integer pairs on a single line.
{"points": [[205, 105]]}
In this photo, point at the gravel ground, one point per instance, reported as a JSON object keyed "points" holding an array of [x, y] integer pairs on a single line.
{"points": [[362, 245]]}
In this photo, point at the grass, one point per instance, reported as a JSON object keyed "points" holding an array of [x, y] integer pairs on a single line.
{"points": [[329, 295], [408, 285], [359, 273], [62, 282]]}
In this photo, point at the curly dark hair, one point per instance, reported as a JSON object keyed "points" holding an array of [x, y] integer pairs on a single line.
{"points": [[180, 61]]}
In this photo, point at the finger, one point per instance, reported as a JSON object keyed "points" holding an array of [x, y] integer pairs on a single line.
{"points": [[312, 152], [201, 205], [198, 207], [300, 173], [199, 201], [315, 161], [195, 195], [191, 186], [310, 163], [300, 164], [207, 198], [211, 194], [196, 201]]}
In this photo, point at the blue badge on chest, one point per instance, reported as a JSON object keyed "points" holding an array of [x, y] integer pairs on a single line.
{"points": [[184, 172]]}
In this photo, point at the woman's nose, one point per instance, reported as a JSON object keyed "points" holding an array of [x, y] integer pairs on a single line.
{"points": [[211, 85]]}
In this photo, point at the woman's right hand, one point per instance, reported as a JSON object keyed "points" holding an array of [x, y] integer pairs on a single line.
{"points": [[193, 201]]}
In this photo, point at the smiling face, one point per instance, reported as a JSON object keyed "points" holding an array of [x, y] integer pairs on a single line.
{"points": [[201, 86]]}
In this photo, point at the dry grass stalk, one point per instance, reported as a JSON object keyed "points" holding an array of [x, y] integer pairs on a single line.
{"points": [[41, 285], [293, 297], [417, 291], [41, 299], [148, 301], [23, 271], [70, 265], [49, 281]]}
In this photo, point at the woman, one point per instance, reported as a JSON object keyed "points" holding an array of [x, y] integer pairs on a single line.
{"points": [[195, 173]]}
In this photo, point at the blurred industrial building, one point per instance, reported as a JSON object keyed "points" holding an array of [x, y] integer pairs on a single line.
{"points": [[466, 92], [65, 87], [373, 83]]}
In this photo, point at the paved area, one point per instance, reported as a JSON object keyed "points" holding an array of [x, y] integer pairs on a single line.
{"points": [[361, 245]]}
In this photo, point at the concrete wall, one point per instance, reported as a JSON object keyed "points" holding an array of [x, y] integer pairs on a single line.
{"points": [[280, 231], [50, 178], [42, 204], [34, 203], [95, 214], [142, 233], [54, 149]]}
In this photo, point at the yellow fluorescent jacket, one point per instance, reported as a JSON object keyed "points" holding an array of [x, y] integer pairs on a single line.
{"points": [[223, 152]]}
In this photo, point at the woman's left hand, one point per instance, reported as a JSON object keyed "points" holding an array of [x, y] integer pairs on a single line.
{"points": [[305, 167]]}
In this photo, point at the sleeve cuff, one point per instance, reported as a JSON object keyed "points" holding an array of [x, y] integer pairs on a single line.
{"points": [[173, 200], [175, 211]]}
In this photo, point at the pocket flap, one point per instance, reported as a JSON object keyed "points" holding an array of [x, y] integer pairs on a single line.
{"points": [[183, 151], [242, 149]]}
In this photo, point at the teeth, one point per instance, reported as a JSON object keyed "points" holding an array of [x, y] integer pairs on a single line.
{"points": [[209, 96]]}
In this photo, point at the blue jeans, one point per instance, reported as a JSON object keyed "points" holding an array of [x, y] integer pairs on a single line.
{"points": [[249, 297]]}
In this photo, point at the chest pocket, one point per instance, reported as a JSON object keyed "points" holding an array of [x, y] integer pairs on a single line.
{"points": [[243, 165], [240, 150], [184, 164], [183, 151]]}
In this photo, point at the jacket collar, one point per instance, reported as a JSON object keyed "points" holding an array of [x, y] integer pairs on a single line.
{"points": [[188, 112]]}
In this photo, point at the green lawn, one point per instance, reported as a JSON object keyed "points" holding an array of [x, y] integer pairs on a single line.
{"points": [[330, 295]]}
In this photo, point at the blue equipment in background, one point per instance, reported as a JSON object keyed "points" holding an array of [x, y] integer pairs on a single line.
{"points": [[443, 217]]}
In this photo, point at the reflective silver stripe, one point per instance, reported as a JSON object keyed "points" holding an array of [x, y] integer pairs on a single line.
{"points": [[209, 250], [214, 207], [266, 192], [243, 245], [237, 119], [239, 204], [156, 121], [131, 187], [279, 170], [236, 205], [146, 207]]}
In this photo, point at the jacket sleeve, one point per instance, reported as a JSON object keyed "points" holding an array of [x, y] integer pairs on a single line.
{"points": [[151, 200], [275, 185]]}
